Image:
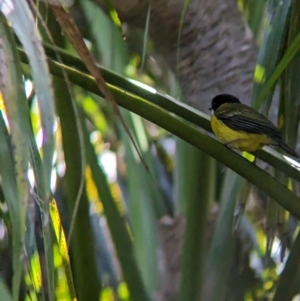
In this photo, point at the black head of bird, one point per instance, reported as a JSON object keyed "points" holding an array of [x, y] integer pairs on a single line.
{"points": [[221, 99]]}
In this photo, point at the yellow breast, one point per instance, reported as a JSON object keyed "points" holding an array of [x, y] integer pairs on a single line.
{"points": [[239, 139]]}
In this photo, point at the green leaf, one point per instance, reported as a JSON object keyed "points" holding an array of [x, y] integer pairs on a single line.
{"points": [[199, 195], [10, 193], [18, 118], [290, 83], [117, 227], [270, 52], [286, 59], [82, 243], [256, 14], [109, 38], [192, 115], [146, 33], [23, 24], [219, 258], [4, 294], [288, 280], [145, 202], [184, 130], [141, 203]]}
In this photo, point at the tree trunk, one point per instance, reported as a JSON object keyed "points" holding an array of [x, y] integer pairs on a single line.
{"points": [[216, 53]]}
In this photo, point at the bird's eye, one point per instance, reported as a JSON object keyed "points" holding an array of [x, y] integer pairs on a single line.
{"points": [[210, 109]]}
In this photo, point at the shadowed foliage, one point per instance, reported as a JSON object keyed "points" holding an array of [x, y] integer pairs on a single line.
{"points": [[112, 184]]}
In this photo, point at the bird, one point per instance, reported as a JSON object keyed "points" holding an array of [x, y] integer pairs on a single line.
{"points": [[241, 127]]}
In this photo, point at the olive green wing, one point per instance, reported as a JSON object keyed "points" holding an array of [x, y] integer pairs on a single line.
{"points": [[240, 117]]}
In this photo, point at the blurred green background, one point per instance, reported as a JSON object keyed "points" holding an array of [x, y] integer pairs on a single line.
{"points": [[82, 216]]}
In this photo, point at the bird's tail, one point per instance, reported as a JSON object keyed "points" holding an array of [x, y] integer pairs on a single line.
{"points": [[287, 148]]}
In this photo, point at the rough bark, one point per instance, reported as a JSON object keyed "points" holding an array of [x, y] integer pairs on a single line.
{"points": [[171, 232], [216, 52]]}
